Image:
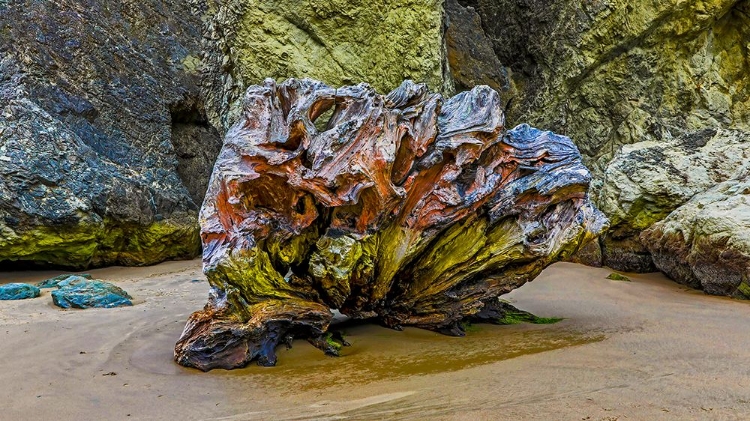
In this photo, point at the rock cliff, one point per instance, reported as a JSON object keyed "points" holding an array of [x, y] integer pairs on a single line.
{"points": [[339, 42], [611, 73], [107, 140], [105, 148]]}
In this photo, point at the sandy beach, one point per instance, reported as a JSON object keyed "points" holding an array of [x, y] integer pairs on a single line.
{"points": [[641, 350]]}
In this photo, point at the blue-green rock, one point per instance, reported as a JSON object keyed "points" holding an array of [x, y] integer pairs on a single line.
{"points": [[79, 292], [52, 282], [18, 291]]}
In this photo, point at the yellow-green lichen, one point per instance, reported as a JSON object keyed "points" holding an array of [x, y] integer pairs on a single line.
{"points": [[293, 251], [453, 249], [101, 243], [395, 245], [192, 64], [744, 289], [341, 42], [253, 274], [503, 244], [333, 265]]}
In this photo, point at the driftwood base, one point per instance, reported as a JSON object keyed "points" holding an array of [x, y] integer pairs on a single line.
{"points": [[410, 209]]}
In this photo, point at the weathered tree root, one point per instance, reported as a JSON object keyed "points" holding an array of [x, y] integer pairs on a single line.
{"points": [[407, 208]]}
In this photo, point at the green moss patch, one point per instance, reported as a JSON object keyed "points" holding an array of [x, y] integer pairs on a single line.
{"points": [[617, 277], [514, 318]]}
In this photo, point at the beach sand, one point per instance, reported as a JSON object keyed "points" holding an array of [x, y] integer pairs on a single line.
{"points": [[641, 350]]}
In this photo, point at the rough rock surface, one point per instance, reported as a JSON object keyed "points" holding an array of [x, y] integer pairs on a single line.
{"points": [[17, 291], [706, 242], [470, 56], [80, 292], [648, 180], [92, 94], [338, 42], [408, 208], [614, 72], [610, 73], [53, 282]]}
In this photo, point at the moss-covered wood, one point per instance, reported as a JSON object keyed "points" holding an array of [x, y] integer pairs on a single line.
{"points": [[409, 208]]}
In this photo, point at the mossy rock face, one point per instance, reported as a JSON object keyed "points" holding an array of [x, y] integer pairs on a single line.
{"points": [[339, 42], [409, 208], [615, 74], [99, 120]]}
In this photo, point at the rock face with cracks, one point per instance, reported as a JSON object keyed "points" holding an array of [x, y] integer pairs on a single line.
{"points": [[705, 243], [646, 181], [408, 208], [105, 150]]}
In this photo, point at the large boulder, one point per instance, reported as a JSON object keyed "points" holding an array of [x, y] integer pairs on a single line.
{"points": [[105, 149], [648, 180], [80, 292], [705, 243], [409, 208], [338, 42]]}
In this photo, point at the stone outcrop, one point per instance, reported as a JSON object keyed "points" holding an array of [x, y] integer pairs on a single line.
{"points": [[409, 208], [100, 116], [471, 59], [381, 42], [705, 243], [648, 180], [18, 291], [82, 292], [615, 73]]}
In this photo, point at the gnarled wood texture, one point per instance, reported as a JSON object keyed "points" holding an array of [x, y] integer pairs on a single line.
{"points": [[408, 208]]}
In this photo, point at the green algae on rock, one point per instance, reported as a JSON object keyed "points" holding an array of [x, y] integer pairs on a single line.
{"points": [[617, 277], [18, 291], [500, 312], [408, 208]]}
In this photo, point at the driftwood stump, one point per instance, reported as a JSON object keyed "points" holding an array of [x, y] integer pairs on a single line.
{"points": [[409, 208]]}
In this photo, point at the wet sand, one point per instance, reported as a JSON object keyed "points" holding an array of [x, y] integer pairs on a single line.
{"points": [[641, 350]]}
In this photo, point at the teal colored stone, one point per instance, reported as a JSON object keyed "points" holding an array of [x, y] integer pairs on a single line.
{"points": [[18, 291], [80, 292], [52, 282]]}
